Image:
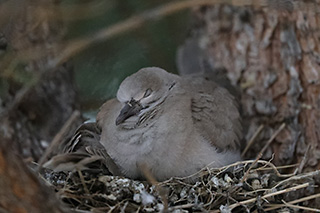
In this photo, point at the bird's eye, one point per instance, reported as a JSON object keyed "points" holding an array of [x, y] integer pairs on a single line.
{"points": [[147, 93]]}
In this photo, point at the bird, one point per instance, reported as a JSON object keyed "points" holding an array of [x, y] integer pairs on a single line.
{"points": [[172, 125], [82, 152]]}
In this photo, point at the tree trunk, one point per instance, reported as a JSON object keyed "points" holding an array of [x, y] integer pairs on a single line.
{"points": [[272, 56], [21, 190], [35, 101]]}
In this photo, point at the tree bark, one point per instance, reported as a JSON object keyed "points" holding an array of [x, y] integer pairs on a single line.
{"points": [[36, 109], [21, 190], [35, 102], [271, 55]]}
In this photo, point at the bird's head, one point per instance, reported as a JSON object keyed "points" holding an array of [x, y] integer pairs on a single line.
{"points": [[142, 92]]}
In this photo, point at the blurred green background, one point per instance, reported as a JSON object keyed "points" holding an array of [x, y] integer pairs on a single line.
{"points": [[100, 69]]}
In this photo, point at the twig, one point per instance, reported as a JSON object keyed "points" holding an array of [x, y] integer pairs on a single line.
{"points": [[292, 178], [276, 206], [303, 161], [71, 48], [245, 176], [271, 139], [301, 207], [184, 206], [264, 197], [262, 151], [83, 182], [58, 137], [270, 160], [196, 174], [252, 139], [134, 22], [297, 177], [247, 162], [269, 195], [278, 167]]}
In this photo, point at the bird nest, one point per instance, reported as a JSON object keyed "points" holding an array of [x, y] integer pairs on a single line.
{"points": [[246, 186]]}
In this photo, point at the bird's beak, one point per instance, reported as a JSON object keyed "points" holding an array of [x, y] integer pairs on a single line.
{"points": [[131, 108]]}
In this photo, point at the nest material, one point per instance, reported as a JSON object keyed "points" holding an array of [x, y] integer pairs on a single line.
{"points": [[241, 187]]}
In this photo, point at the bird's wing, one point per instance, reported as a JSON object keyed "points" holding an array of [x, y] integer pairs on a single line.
{"points": [[215, 115], [84, 151], [86, 134]]}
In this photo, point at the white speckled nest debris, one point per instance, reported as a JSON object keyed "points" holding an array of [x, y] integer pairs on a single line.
{"points": [[245, 186]]}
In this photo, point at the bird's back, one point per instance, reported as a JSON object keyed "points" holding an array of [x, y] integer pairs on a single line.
{"points": [[215, 113]]}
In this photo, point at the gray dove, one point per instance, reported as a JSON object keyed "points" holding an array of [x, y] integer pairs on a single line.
{"points": [[173, 125]]}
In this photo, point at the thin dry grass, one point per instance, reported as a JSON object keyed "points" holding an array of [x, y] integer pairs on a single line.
{"points": [[221, 189]]}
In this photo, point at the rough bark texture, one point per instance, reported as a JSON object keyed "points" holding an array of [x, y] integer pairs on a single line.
{"points": [[21, 190], [33, 114], [273, 56]]}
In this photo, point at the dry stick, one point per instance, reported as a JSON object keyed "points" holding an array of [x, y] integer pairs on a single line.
{"points": [[297, 177], [262, 151], [301, 207], [183, 206], [245, 176], [277, 206], [289, 177], [271, 159], [266, 163], [73, 47], [272, 138], [278, 167], [76, 46], [59, 136], [244, 179], [266, 196], [224, 168], [259, 161], [197, 174], [252, 139], [303, 161], [83, 181], [244, 206]]}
